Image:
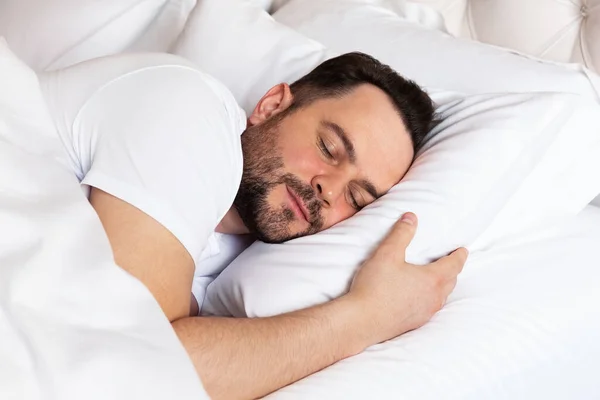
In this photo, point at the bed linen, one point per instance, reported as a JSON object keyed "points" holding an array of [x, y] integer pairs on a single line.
{"points": [[566, 31], [54, 34], [319, 386], [73, 325], [522, 324]]}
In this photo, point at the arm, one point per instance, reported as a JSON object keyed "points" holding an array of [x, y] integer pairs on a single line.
{"points": [[248, 358], [241, 358], [148, 251]]}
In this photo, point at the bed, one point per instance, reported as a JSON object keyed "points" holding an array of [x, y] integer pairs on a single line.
{"points": [[524, 319]]}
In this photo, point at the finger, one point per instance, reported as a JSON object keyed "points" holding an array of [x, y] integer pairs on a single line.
{"points": [[449, 287], [451, 265], [402, 232], [447, 290]]}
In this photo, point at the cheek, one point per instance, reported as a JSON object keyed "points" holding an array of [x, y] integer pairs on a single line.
{"points": [[302, 161], [337, 214]]}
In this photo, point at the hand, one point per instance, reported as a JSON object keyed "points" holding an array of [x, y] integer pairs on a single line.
{"points": [[396, 296]]}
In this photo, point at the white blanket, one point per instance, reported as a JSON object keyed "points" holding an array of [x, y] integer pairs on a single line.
{"points": [[72, 324]]}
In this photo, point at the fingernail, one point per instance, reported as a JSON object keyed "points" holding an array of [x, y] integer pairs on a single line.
{"points": [[409, 218]]}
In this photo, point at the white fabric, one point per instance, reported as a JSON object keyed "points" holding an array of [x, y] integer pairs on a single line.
{"points": [[220, 252], [53, 34], [487, 177], [430, 57], [522, 324], [277, 4], [165, 28], [73, 325], [566, 31], [264, 4], [237, 42], [155, 132]]}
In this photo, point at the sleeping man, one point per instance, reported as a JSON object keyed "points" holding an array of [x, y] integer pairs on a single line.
{"points": [[156, 145]]}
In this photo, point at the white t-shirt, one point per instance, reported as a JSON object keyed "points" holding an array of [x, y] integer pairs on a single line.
{"points": [[156, 132]]}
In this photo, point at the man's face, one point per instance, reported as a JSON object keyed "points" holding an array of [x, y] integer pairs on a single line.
{"points": [[309, 169]]}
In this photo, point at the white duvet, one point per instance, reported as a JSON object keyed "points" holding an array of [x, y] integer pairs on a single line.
{"points": [[523, 323], [72, 324]]}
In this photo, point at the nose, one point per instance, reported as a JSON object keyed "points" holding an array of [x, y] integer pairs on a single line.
{"points": [[328, 189]]}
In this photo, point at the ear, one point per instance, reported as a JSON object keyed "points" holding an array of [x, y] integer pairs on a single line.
{"points": [[277, 99]]}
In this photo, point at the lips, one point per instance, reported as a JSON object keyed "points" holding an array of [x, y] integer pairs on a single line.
{"points": [[298, 205]]}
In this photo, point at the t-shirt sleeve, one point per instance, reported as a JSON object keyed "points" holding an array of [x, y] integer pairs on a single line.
{"points": [[166, 140]]}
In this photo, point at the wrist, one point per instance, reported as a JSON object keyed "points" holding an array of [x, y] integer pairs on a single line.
{"points": [[356, 321]]}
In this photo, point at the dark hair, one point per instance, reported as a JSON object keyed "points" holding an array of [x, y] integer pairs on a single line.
{"points": [[340, 75]]}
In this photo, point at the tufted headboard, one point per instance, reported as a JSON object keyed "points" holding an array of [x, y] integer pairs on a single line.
{"points": [[558, 30]]}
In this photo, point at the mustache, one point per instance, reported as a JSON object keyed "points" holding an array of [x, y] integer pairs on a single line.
{"points": [[308, 196]]}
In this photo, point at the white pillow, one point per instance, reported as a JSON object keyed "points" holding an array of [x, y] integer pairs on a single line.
{"points": [[242, 46], [431, 57], [477, 184], [53, 34], [237, 42], [165, 28]]}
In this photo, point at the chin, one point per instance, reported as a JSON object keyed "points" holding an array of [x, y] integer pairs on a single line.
{"points": [[277, 236]]}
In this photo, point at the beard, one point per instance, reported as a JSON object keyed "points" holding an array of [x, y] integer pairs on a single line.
{"points": [[264, 170]]}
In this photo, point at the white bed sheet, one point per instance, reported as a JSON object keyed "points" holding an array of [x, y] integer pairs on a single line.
{"points": [[523, 323]]}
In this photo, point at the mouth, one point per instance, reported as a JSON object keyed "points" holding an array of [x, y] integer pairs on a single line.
{"points": [[298, 206]]}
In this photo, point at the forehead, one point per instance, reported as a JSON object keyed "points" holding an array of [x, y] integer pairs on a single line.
{"points": [[381, 141]]}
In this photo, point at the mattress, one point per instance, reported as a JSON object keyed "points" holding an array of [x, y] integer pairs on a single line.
{"points": [[523, 323]]}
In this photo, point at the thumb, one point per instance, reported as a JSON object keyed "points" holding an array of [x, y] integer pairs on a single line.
{"points": [[402, 233]]}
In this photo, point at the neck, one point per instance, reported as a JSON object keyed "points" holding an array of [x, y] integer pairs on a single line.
{"points": [[232, 224]]}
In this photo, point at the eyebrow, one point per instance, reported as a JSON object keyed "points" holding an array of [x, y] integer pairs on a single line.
{"points": [[341, 133], [349, 147], [369, 187]]}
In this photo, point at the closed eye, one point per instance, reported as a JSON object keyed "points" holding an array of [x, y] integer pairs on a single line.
{"points": [[324, 149], [354, 202]]}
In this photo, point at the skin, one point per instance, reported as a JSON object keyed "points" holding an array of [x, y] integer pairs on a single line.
{"points": [[348, 150], [249, 358]]}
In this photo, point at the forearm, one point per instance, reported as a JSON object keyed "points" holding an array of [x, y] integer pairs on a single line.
{"points": [[249, 358]]}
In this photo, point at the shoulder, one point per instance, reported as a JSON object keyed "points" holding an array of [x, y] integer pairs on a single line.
{"points": [[124, 78], [171, 81], [165, 139]]}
